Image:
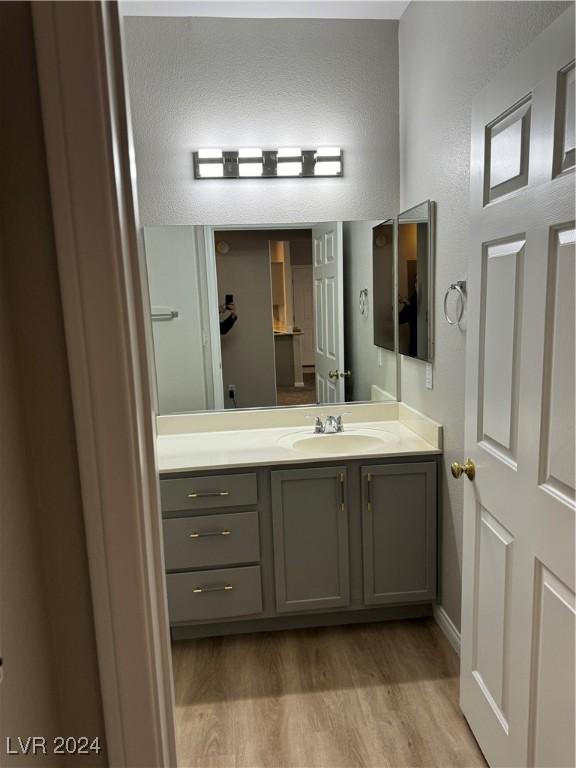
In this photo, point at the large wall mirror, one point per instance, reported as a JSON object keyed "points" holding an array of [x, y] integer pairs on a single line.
{"points": [[252, 317], [415, 276]]}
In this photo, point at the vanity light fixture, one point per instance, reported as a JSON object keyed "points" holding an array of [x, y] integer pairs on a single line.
{"points": [[328, 161], [209, 164], [250, 162], [256, 163], [289, 161]]}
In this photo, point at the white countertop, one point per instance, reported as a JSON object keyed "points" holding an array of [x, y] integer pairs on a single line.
{"points": [[219, 449]]}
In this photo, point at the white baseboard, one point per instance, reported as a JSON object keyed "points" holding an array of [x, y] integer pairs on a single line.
{"points": [[447, 626]]}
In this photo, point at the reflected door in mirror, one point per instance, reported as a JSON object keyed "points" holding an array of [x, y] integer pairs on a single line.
{"points": [[383, 284]]}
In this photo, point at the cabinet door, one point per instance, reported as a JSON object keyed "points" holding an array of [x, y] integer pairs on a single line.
{"points": [[310, 520], [399, 533]]}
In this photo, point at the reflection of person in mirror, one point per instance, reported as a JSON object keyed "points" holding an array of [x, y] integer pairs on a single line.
{"points": [[409, 314], [228, 317]]}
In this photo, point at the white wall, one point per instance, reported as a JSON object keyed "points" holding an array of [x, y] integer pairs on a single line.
{"points": [[182, 345], [448, 52], [245, 82], [362, 356]]}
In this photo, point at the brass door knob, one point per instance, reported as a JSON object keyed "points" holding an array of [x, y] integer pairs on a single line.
{"points": [[339, 374], [468, 468]]}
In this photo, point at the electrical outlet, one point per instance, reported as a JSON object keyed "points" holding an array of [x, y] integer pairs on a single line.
{"points": [[380, 357], [429, 378], [231, 391]]}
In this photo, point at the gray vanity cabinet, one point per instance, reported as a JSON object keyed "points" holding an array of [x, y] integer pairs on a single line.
{"points": [[310, 545], [399, 533], [310, 527]]}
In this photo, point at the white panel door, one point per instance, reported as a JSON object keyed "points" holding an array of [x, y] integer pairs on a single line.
{"points": [[327, 270], [517, 670]]}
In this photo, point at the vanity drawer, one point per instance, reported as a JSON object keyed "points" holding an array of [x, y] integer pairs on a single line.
{"points": [[216, 594], [208, 492], [205, 541]]}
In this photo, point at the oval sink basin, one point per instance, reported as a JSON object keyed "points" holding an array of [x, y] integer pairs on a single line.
{"points": [[334, 444]]}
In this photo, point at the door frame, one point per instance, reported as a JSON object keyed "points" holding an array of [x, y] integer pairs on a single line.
{"points": [[108, 332]]}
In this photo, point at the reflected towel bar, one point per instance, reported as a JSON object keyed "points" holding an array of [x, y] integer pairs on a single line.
{"points": [[171, 315]]}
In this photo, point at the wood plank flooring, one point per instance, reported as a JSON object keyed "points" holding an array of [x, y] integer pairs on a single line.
{"points": [[381, 695]]}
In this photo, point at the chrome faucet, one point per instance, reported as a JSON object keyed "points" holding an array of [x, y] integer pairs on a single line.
{"points": [[333, 424], [327, 425]]}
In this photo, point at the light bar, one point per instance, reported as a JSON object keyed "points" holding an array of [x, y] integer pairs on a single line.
{"points": [[289, 161], [250, 162], [328, 161], [210, 164], [256, 163]]}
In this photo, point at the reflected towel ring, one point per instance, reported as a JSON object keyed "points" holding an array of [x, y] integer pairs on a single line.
{"points": [[460, 288], [363, 302]]}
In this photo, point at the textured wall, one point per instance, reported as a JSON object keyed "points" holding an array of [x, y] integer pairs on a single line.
{"points": [[448, 52], [246, 82]]}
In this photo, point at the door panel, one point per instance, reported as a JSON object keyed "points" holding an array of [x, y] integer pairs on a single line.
{"points": [[565, 134], [518, 542], [399, 533], [499, 343], [310, 522], [557, 459], [493, 592], [507, 151], [328, 312], [553, 734]]}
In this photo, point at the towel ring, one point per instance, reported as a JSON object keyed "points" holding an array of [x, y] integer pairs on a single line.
{"points": [[460, 288]]}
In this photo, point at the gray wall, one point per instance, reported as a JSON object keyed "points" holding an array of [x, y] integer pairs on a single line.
{"points": [[51, 683], [245, 82], [448, 52], [248, 348], [361, 355]]}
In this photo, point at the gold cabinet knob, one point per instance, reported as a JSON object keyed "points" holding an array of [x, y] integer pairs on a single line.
{"points": [[468, 468]]}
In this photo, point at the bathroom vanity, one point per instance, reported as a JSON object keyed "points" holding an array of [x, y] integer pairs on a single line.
{"points": [[320, 532]]}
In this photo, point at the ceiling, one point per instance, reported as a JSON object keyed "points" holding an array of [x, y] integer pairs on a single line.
{"points": [[267, 9]]}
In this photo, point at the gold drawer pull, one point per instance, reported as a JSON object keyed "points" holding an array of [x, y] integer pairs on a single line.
{"points": [[225, 588], [207, 494], [200, 534]]}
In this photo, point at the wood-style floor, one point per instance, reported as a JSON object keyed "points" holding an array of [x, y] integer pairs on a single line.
{"points": [[373, 695], [305, 395]]}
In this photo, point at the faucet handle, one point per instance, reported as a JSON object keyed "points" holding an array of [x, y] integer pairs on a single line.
{"points": [[339, 422], [318, 423]]}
